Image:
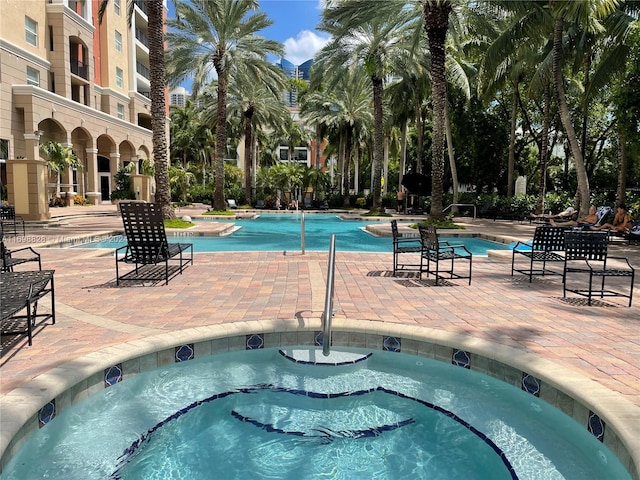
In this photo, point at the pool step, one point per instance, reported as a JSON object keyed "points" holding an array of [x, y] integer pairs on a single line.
{"points": [[314, 356]]}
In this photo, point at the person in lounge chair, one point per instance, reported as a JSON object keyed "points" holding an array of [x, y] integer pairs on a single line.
{"points": [[621, 222], [587, 221]]}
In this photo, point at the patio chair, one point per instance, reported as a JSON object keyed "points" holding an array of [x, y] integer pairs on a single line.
{"points": [[586, 254], [547, 246], [10, 221], [11, 258], [404, 246], [20, 291], [147, 245], [324, 205], [306, 203], [260, 204], [436, 252], [232, 203]]}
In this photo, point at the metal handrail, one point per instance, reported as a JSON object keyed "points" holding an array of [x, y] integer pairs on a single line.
{"points": [[462, 205], [327, 315], [302, 233]]}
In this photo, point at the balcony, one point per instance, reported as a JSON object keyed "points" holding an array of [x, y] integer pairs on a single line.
{"points": [[142, 70], [140, 4], [142, 37], [79, 68]]}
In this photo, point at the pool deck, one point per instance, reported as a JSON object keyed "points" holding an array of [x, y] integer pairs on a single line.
{"points": [[600, 342]]}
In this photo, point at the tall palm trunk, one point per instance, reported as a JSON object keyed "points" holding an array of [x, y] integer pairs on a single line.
{"points": [[346, 167], [221, 139], [565, 118], [622, 167], [436, 25], [544, 155], [512, 142], [248, 153], [419, 134], [158, 106], [452, 158], [378, 138]]}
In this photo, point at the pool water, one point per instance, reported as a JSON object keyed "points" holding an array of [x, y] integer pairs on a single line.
{"points": [[282, 232], [257, 414]]}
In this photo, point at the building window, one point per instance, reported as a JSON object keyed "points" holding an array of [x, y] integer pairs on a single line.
{"points": [[118, 41], [33, 76], [121, 111], [119, 81], [116, 6], [4, 149], [31, 31]]}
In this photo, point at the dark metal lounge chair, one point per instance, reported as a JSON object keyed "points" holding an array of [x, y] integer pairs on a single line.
{"points": [[21, 291], [10, 221], [547, 246], [147, 245], [586, 255], [404, 246], [11, 258], [435, 251]]}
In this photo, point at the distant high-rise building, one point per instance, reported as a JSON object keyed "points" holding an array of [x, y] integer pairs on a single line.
{"points": [[297, 72], [178, 97]]}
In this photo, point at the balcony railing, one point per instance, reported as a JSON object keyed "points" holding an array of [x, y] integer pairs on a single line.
{"points": [[142, 70], [140, 4], [79, 68], [142, 38]]}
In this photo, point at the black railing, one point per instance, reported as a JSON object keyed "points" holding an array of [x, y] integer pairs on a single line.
{"points": [[142, 70], [140, 4], [79, 68], [142, 38]]}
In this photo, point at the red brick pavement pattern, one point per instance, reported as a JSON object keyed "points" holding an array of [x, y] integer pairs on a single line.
{"points": [[600, 342]]}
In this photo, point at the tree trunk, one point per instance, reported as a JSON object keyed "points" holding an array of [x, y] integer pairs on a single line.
{"points": [[544, 155], [158, 106], [403, 154], [565, 117], [419, 135], [248, 154], [512, 142], [346, 166], [622, 167], [452, 158], [221, 141], [436, 25], [378, 135]]}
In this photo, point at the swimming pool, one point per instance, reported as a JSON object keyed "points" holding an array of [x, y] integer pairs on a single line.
{"points": [[282, 232], [257, 414]]}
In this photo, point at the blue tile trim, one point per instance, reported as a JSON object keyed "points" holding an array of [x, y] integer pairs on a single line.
{"points": [[461, 359], [113, 375], [125, 458], [320, 364], [391, 344], [47, 413], [184, 353], [530, 384], [254, 341], [596, 426]]}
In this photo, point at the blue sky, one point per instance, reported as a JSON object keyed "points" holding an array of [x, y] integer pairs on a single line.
{"points": [[294, 25]]}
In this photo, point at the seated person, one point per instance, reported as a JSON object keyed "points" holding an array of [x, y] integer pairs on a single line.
{"points": [[293, 204], [621, 222], [588, 220]]}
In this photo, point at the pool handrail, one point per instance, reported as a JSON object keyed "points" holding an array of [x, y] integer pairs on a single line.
{"points": [[327, 315], [461, 205]]}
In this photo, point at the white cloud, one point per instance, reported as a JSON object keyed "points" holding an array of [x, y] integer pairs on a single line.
{"points": [[306, 44]]}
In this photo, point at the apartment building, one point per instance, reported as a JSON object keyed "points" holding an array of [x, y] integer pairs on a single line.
{"points": [[67, 78]]}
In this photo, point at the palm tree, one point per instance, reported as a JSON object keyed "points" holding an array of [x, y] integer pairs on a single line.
{"points": [[60, 159], [256, 101], [374, 42], [155, 35], [345, 109], [210, 36]]}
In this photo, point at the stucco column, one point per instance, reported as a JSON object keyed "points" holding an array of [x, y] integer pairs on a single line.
{"points": [[29, 178], [92, 192]]}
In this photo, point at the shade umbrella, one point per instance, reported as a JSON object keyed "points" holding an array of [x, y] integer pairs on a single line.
{"points": [[417, 184]]}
